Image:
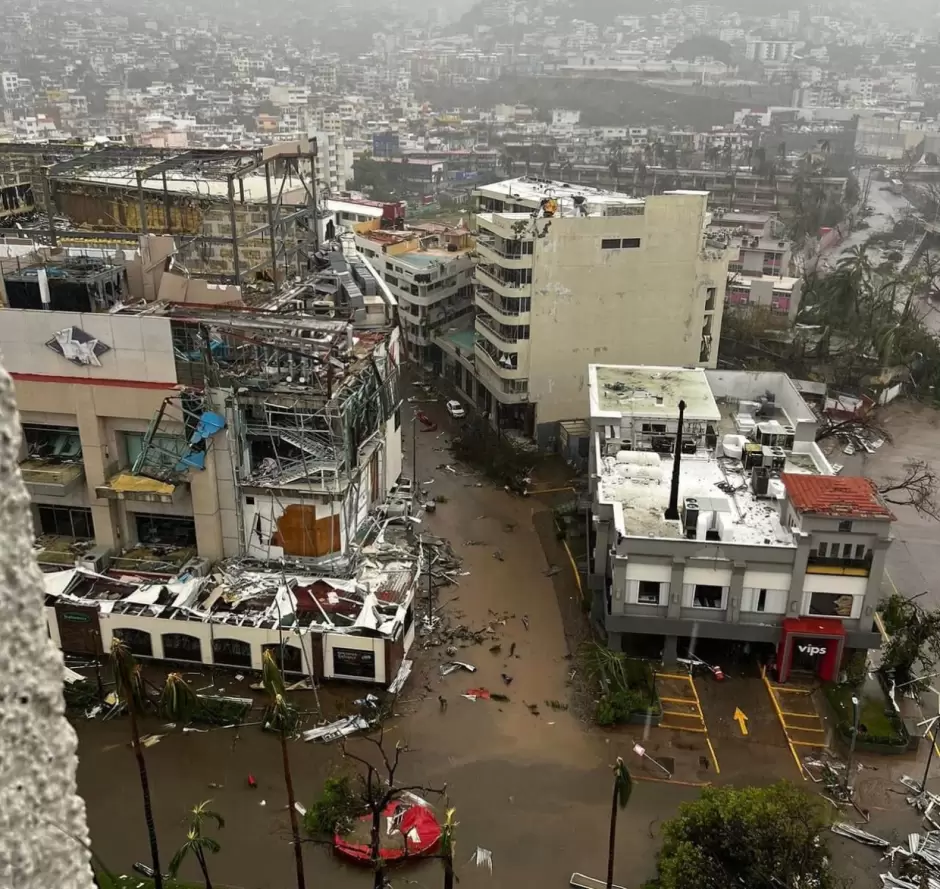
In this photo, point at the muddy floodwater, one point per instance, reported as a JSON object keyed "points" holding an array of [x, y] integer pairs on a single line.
{"points": [[534, 789]]}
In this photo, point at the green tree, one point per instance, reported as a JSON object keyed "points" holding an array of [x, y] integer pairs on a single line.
{"points": [[759, 837], [282, 717], [197, 843], [130, 690], [915, 638], [623, 787]]}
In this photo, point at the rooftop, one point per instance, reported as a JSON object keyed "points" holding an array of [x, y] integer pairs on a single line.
{"points": [[639, 482], [570, 198], [650, 391], [851, 497]]}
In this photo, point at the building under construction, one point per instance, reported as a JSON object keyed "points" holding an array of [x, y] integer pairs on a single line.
{"points": [[239, 216]]}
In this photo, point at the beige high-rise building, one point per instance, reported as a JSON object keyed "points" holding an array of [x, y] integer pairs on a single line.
{"points": [[569, 276]]}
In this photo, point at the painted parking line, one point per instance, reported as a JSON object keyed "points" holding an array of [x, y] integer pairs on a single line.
{"points": [[801, 728], [694, 713]]}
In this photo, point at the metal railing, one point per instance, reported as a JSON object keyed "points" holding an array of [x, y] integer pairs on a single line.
{"points": [[485, 321]]}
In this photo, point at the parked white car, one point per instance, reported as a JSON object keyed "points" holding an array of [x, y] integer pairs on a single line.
{"points": [[456, 409]]}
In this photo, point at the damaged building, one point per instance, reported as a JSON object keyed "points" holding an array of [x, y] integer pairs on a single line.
{"points": [[167, 434], [319, 627]]}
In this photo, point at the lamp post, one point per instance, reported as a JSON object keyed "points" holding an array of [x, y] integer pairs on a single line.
{"points": [[933, 746], [849, 765]]}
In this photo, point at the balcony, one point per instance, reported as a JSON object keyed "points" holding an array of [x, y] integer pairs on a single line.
{"points": [[50, 478], [505, 311], [817, 564], [126, 486], [506, 365], [500, 338], [512, 391], [494, 250], [488, 276]]}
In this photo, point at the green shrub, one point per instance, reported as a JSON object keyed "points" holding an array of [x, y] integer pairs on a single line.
{"points": [[336, 809]]}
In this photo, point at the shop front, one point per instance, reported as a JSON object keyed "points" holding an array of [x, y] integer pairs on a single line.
{"points": [[810, 645]]}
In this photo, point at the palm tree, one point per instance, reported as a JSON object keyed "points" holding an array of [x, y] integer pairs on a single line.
{"points": [[130, 690], [623, 787], [178, 701], [281, 717], [448, 846], [196, 842]]}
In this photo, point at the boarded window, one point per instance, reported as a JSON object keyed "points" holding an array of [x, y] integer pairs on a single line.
{"points": [[137, 641], [180, 647], [354, 662], [293, 657], [301, 533], [231, 653]]}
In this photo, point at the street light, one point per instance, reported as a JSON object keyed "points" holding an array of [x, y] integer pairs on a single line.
{"points": [[849, 764], [933, 746]]}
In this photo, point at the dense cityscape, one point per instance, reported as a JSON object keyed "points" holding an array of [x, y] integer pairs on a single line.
{"points": [[493, 442]]}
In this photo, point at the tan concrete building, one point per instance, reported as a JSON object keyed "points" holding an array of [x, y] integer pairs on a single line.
{"points": [[175, 433], [569, 276]]}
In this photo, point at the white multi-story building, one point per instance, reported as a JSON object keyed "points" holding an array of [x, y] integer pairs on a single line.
{"points": [[568, 274], [430, 271], [10, 83], [334, 161], [743, 535], [771, 50]]}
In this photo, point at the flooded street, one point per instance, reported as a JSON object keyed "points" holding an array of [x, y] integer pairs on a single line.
{"points": [[533, 789]]}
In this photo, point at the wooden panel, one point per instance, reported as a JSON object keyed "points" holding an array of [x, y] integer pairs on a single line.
{"points": [[301, 533], [79, 629]]}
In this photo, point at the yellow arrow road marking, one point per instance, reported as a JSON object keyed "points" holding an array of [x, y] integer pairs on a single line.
{"points": [[741, 720]]}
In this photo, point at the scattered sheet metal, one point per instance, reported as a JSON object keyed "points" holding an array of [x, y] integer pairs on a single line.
{"points": [[843, 828], [404, 671], [453, 666], [333, 731], [483, 858]]}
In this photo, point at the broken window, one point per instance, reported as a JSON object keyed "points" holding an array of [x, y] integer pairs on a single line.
{"points": [[165, 530], [54, 443], [648, 592], [761, 600], [181, 647], [137, 641], [164, 451], [707, 596], [845, 526], [288, 657], [831, 604], [66, 521], [231, 653]]}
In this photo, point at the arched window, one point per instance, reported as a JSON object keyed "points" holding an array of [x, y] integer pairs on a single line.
{"points": [[138, 641], [180, 647], [293, 657], [231, 653]]}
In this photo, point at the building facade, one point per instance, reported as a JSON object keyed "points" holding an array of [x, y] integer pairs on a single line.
{"points": [[567, 274], [745, 536]]}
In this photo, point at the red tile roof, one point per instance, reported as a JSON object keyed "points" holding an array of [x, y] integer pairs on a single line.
{"points": [[833, 495]]}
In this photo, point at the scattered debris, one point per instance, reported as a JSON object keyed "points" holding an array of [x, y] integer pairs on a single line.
{"points": [[552, 570], [496, 649], [498, 556], [404, 671], [504, 699], [348, 725], [506, 679], [556, 705], [843, 828], [471, 694], [525, 621], [512, 649], [150, 740], [301, 809], [483, 858], [452, 666]]}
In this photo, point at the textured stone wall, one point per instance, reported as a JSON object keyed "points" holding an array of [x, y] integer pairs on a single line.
{"points": [[43, 830]]}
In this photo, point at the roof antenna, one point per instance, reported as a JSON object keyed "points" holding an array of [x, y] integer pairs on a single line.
{"points": [[672, 513]]}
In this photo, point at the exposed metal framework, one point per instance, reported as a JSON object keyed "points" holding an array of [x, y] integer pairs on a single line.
{"points": [[213, 176]]}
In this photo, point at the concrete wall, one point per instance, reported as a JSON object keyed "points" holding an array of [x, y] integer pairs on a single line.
{"points": [[642, 305], [122, 395]]}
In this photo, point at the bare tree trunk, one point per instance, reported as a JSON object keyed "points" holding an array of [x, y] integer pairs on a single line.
{"points": [[378, 863], [201, 858], [148, 805], [613, 838], [448, 871], [292, 812]]}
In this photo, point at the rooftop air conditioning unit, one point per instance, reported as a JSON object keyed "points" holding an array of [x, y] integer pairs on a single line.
{"points": [[96, 560]]}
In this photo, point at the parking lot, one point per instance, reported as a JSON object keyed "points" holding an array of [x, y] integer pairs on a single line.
{"points": [[743, 729]]}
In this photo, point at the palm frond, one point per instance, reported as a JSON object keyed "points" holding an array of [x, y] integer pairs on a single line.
{"points": [[127, 678], [623, 782], [208, 844], [178, 701], [177, 861], [201, 813], [271, 677]]}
